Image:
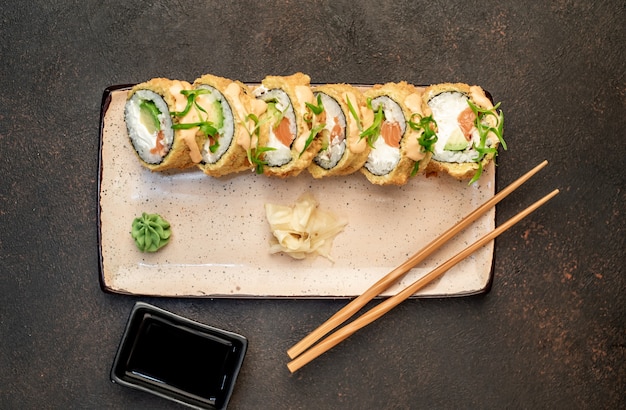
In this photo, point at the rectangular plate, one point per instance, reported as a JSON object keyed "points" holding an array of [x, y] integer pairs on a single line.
{"points": [[220, 235]]}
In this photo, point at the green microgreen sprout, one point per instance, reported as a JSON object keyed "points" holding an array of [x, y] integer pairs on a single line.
{"points": [[373, 132], [354, 114], [484, 128], [191, 101], [255, 155], [207, 128], [428, 137], [314, 131], [428, 126], [257, 158], [315, 109]]}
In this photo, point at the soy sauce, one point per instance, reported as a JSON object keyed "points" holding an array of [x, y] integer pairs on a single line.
{"points": [[182, 360]]}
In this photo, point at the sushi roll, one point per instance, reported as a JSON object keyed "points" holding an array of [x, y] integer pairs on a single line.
{"points": [[396, 150], [469, 129], [341, 116], [223, 106], [286, 145], [148, 114]]}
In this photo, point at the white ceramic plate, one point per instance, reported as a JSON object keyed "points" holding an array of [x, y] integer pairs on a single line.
{"points": [[220, 236]]}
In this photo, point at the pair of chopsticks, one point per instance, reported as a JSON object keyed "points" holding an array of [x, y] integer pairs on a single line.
{"points": [[299, 353]]}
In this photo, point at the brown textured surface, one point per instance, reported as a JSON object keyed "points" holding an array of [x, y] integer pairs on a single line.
{"points": [[551, 334]]}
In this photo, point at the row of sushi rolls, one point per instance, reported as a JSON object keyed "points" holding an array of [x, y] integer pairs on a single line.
{"points": [[285, 125]]}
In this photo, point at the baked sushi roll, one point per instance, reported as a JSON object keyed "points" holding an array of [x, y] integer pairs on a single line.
{"points": [[223, 106], [286, 143], [340, 114], [150, 121], [396, 152], [469, 129]]}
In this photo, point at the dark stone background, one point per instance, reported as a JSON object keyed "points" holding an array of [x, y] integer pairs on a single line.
{"points": [[550, 334]]}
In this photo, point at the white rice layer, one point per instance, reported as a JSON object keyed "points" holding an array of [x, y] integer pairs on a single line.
{"points": [[143, 140]]}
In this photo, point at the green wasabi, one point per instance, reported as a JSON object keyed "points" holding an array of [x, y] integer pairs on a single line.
{"points": [[151, 232]]}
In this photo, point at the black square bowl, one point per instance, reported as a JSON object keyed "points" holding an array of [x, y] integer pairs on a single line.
{"points": [[178, 359]]}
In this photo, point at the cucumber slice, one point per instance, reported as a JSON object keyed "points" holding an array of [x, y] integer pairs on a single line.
{"points": [[456, 141], [216, 114], [149, 116]]}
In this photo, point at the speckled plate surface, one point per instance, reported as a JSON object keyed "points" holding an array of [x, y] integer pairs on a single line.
{"points": [[220, 236]]}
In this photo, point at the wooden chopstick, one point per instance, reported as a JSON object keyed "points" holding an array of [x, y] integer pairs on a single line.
{"points": [[386, 281], [388, 304]]}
